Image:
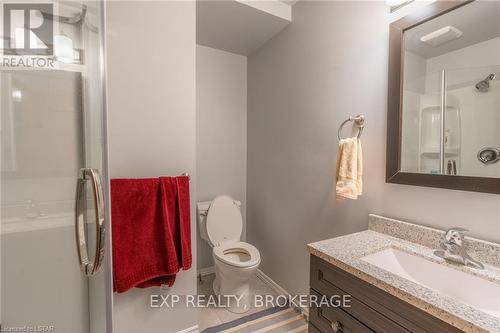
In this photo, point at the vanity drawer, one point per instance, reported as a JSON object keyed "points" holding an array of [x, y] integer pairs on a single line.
{"points": [[332, 319], [370, 317], [312, 329], [374, 307]]}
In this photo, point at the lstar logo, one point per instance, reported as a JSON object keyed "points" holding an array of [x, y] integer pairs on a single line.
{"points": [[28, 29]]}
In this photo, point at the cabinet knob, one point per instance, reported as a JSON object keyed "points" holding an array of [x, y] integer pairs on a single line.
{"points": [[336, 326]]}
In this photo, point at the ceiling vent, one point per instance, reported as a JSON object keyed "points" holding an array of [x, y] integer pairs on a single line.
{"points": [[441, 36]]}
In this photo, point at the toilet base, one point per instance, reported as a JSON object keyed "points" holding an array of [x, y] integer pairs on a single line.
{"points": [[229, 302], [233, 283]]}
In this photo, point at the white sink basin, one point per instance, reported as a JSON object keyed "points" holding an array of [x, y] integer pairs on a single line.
{"points": [[479, 293]]}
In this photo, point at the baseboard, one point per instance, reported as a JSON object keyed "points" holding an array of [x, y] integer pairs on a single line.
{"points": [[271, 283], [279, 290], [206, 271], [192, 329]]}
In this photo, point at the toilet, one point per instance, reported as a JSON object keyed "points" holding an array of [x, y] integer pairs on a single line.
{"points": [[235, 261]]}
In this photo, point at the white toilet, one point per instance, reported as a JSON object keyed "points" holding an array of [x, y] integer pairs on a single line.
{"points": [[221, 225]]}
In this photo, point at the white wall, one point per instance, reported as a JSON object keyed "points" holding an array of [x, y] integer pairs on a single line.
{"points": [[329, 63], [466, 64], [221, 112], [152, 119]]}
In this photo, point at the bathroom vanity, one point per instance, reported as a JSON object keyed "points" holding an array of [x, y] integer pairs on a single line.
{"points": [[370, 309], [397, 284]]}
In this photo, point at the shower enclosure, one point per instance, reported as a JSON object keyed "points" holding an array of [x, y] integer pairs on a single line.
{"points": [[55, 237], [450, 117], [451, 95]]}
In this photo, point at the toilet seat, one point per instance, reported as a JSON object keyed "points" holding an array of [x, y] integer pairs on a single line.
{"points": [[237, 254]]}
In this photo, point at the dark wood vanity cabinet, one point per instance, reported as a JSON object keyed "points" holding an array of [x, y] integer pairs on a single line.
{"points": [[371, 309]]}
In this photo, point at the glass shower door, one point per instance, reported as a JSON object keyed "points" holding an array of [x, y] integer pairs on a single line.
{"points": [[54, 268]]}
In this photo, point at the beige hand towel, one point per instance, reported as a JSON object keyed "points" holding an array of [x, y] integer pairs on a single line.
{"points": [[349, 183]]}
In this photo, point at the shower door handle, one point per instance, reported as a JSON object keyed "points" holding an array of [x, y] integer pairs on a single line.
{"points": [[88, 267]]}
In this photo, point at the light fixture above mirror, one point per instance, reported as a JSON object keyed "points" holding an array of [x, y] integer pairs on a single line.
{"points": [[397, 4]]}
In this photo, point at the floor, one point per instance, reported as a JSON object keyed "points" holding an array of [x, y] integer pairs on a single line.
{"points": [[212, 316]]}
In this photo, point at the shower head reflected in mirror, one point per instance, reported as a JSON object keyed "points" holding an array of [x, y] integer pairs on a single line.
{"points": [[484, 85]]}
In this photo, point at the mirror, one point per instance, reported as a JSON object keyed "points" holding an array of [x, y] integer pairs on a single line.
{"points": [[444, 97]]}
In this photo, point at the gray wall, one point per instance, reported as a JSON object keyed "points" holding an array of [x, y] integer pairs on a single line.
{"points": [[331, 62], [152, 120], [221, 116]]}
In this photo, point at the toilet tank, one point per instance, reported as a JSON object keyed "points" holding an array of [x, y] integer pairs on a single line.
{"points": [[202, 218], [202, 208]]}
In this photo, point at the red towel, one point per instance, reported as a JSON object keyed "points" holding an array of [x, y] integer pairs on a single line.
{"points": [[151, 231], [176, 207]]}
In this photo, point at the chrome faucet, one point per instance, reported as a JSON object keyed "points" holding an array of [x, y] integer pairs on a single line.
{"points": [[454, 249]]}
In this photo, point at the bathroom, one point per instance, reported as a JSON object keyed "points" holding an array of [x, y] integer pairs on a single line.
{"points": [[247, 98]]}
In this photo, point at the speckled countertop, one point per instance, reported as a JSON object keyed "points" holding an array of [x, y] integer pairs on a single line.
{"points": [[346, 252]]}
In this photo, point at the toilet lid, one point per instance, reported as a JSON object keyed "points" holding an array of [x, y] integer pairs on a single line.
{"points": [[224, 221]]}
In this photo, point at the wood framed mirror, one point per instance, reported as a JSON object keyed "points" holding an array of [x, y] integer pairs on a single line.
{"points": [[443, 120]]}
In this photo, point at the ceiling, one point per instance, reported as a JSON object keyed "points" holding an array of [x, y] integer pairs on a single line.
{"points": [[239, 26], [290, 2], [479, 21]]}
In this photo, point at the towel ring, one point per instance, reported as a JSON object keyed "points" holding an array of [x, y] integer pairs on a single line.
{"points": [[359, 120]]}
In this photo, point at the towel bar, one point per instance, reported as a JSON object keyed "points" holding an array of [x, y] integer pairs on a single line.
{"points": [[359, 120]]}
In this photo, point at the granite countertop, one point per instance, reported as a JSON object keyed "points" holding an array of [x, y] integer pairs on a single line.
{"points": [[346, 252]]}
